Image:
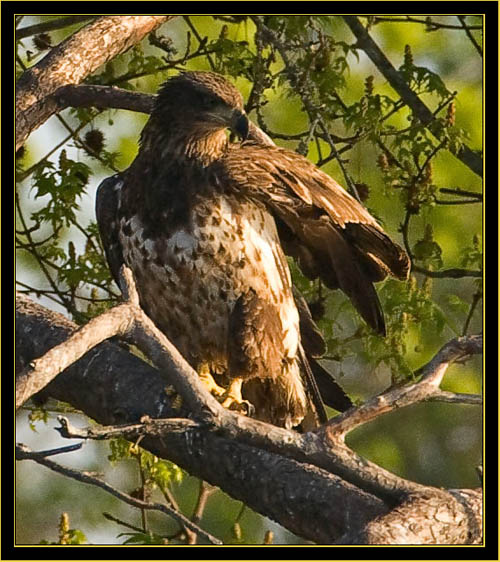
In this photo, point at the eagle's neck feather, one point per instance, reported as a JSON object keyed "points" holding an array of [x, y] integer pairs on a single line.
{"points": [[193, 147]]}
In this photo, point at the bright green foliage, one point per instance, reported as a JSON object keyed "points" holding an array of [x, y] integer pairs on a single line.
{"points": [[143, 538], [65, 184], [473, 255], [37, 415], [421, 79], [427, 250], [157, 472]]}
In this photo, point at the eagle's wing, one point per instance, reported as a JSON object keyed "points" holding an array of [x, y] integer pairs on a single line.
{"points": [[106, 208], [329, 233]]}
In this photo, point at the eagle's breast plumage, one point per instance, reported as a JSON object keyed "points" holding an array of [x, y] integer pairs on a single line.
{"points": [[190, 278]]}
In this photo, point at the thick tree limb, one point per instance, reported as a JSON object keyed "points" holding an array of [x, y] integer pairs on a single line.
{"points": [[377, 56], [71, 62], [112, 386], [433, 521], [234, 463]]}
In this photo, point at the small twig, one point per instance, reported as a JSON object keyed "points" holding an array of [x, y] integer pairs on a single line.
{"points": [[456, 201], [462, 193], [453, 273], [455, 398], [467, 29], [156, 427], [120, 522], [428, 23], [476, 297], [24, 453], [200, 39], [57, 451], [37, 256], [204, 493]]}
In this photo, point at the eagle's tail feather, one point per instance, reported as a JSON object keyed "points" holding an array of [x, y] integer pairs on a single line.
{"points": [[316, 414]]}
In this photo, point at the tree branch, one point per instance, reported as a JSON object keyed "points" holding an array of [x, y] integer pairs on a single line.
{"points": [[103, 97], [471, 37], [455, 350], [71, 62], [453, 273], [435, 520], [114, 387], [44, 369], [24, 453], [395, 79], [230, 438], [51, 25]]}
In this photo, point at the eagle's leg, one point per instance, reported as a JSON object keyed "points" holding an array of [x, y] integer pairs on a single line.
{"points": [[233, 399], [208, 380]]}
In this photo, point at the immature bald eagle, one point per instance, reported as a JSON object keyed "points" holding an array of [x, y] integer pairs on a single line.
{"points": [[204, 224]]}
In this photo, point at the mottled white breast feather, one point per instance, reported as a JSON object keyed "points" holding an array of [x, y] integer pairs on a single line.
{"points": [[182, 268]]}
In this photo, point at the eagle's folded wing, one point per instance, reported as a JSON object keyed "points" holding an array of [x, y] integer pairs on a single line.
{"points": [[106, 207], [326, 230]]}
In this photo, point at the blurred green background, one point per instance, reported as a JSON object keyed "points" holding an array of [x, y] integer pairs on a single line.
{"points": [[432, 443]]}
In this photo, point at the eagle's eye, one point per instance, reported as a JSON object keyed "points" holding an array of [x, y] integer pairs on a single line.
{"points": [[209, 102]]}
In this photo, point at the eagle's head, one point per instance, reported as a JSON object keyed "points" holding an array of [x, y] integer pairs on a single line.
{"points": [[201, 101]]}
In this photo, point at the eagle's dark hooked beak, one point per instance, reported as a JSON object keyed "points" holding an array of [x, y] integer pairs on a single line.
{"points": [[239, 124]]}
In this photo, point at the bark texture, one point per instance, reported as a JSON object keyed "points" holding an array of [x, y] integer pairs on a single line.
{"points": [[71, 62], [113, 386]]}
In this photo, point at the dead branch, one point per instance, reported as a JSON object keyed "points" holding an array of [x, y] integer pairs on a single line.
{"points": [[457, 349], [147, 426]]}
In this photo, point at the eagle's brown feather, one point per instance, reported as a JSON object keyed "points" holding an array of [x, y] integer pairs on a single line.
{"points": [[204, 224], [330, 234]]}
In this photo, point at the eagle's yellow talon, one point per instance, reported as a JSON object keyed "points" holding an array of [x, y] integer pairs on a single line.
{"points": [[243, 407], [232, 399], [210, 383], [177, 402]]}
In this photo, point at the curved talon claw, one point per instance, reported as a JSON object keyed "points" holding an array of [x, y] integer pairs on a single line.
{"points": [[243, 407], [232, 399]]}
